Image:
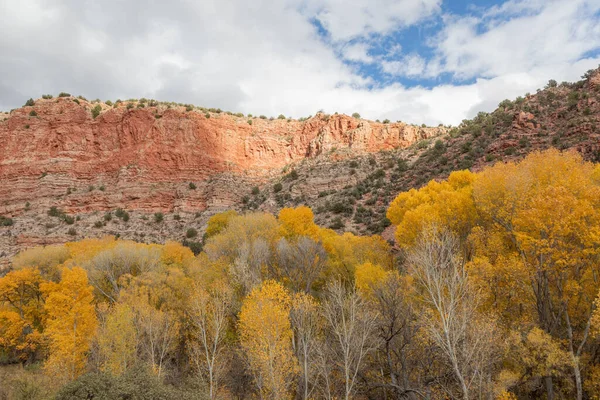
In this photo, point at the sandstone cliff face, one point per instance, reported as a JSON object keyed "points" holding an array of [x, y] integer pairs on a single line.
{"points": [[139, 155], [142, 159]]}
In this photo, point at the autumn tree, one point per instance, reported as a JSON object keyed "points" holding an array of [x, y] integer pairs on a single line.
{"points": [[210, 311], [71, 323], [448, 203], [450, 316], [296, 222], [118, 340], [156, 326], [299, 263], [266, 337], [219, 222], [350, 327], [46, 259], [547, 206], [21, 313], [124, 259], [404, 370], [307, 326]]}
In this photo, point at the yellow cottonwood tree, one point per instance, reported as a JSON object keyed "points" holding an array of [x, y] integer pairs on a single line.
{"points": [[266, 337], [118, 340], [71, 323], [448, 203], [218, 222], [21, 313], [298, 222]]}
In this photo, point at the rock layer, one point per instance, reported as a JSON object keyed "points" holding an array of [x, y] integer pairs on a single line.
{"points": [[55, 153], [137, 155]]}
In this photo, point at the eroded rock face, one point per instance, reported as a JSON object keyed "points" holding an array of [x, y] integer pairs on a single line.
{"points": [[56, 154]]}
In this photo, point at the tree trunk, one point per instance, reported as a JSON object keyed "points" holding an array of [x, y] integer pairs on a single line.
{"points": [[549, 388]]}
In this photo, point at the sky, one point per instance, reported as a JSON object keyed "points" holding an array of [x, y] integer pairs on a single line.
{"points": [[418, 61]]}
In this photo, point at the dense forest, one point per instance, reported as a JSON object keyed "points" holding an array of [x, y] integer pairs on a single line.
{"points": [[489, 292]]}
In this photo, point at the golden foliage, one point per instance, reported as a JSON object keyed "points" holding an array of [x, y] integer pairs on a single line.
{"points": [[448, 203], [21, 313], [46, 259], [266, 337], [218, 222], [298, 221], [118, 339], [71, 323], [368, 277]]}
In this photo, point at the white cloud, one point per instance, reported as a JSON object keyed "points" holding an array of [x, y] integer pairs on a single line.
{"points": [[357, 52], [411, 65], [345, 19], [517, 36], [267, 57]]}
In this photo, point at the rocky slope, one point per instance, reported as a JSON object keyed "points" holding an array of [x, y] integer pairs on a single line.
{"points": [[353, 194], [66, 164], [185, 163]]}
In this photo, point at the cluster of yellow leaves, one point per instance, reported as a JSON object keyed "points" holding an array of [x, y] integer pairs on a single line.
{"points": [[71, 323], [298, 222], [21, 312], [47, 259], [266, 336], [219, 222], [118, 339], [368, 277], [448, 203]]}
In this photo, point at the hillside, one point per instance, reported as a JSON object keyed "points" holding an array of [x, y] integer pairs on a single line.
{"points": [[67, 165], [353, 194], [72, 168]]}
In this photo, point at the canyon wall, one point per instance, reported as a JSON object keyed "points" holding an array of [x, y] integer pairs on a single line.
{"points": [[143, 159]]}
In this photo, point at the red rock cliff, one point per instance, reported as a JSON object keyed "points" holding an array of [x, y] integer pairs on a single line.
{"points": [[50, 153]]}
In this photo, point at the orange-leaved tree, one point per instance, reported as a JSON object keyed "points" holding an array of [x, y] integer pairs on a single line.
{"points": [[71, 323], [21, 313]]}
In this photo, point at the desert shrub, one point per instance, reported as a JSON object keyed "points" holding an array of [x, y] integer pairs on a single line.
{"points": [[255, 190], [158, 217], [195, 247], [341, 208], [122, 214], [263, 117], [191, 233], [356, 115], [96, 111], [98, 224], [47, 96], [136, 383], [337, 223], [293, 175], [72, 232], [32, 113], [386, 121], [192, 186], [29, 103], [277, 187], [64, 94], [5, 221], [177, 217], [55, 212]]}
